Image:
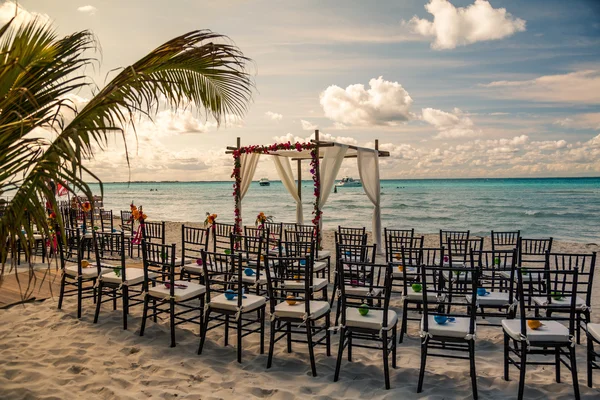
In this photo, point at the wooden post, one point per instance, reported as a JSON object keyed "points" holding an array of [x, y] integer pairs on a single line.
{"points": [[300, 183], [237, 228], [377, 144], [318, 176]]}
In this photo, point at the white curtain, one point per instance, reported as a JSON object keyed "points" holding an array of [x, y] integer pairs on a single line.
{"points": [[328, 168], [284, 169], [248, 166], [368, 168]]}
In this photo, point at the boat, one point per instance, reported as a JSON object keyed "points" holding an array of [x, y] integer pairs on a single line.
{"points": [[348, 182], [264, 182]]}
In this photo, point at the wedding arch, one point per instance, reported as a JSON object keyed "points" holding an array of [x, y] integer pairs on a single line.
{"points": [[325, 161]]}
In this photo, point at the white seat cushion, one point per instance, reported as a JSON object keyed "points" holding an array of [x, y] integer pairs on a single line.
{"points": [[594, 331], [362, 291], [530, 275], [249, 302], [462, 276], [134, 276], [87, 272], [495, 299], [181, 294], [418, 296], [459, 328], [550, 331], [373, 320], [397, 273], [565, 302], [324, 254], [319, 266], [196, 269], [318, 284], [317, 309]]}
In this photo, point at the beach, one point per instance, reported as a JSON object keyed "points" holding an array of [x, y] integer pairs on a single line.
{"points": [[49, 354]]}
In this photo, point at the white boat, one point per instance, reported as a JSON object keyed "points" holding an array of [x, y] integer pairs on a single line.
{"points": [[348, 182], [264, 182]]}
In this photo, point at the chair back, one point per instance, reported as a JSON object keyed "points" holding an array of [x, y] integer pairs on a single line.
{"points": [[221, 236], [365, 283], [299, 236], [106, 221], [193, 241], [223, 272], [275, 230], [127, 222], [458, 250], [257, 231], [445, 235], [71, 249], [532, 252], [350, 239], [585, 265], [160, 259], [351, 231], [289, 279], [396, 239], [110, 250], [298, 250], [154, 232], [505, 240], [413, 260], [362, 253], [491, 264]]}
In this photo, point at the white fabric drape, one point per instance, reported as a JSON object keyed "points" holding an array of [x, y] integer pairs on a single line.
{"points": [[248, 166], [284, 169], [368, 169], [328, 169]]}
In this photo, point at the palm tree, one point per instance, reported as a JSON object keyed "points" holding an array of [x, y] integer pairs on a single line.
{"points": [[38, 70]]}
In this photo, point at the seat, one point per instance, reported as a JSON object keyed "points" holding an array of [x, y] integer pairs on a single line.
{"points": [[594, 331], [397, 274], [564, 302], [324, 254], [318, 284], [373, 320], [134, 276], [550, 331], [457, 329], [317, 308], [495, 299], [249, 302], [319, 266], [418, 296], [181, 293], [362, 291], [87, 272]]}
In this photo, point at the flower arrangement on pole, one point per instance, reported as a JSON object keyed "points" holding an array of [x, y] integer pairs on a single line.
{"points": [[261, 219], [137, 214], [210, 220]]}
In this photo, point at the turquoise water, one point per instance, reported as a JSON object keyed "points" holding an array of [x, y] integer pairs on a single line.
{"points": [[565, 208]]}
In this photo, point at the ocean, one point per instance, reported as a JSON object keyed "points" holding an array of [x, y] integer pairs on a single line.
{"points": [[564, 208]]}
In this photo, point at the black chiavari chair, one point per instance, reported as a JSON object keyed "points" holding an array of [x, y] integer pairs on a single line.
{"points": [[221, 237], [506, 240], [193, 241], [106, 221], [445, 235], [252, 249]]}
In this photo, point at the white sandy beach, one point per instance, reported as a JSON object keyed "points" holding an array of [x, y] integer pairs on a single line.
{"points": [[48, 354]]}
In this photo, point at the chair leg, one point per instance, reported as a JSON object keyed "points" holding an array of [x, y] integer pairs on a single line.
{"points": [[98, 303], [204, 330], [144, 314], [311, 349], [573, 361], [328, 334], [590, 358], [262, 331], [79, 294], [62, 290], [338, 364], [523, 370], [557, 363], [226, 334], [506, 355], [172, 321], [125, 298], [423, 363], [404, 320], [394, 346], [289, 337], [272, 332], [154, 309], [349, 344], [114, 294], [386, 367], [578, 321], [473, 370], [239, 339]]}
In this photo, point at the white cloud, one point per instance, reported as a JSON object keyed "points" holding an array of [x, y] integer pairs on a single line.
{"points": [[384, 103], [90, 10], [574, 87], [450, 125], [9, 8], [581, 121], [452, 26], [308, 126], [274, 116]]}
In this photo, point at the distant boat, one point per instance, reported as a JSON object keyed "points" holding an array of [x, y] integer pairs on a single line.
{"points": [[348, 182], [264, 182]]}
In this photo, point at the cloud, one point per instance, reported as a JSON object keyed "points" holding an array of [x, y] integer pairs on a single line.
{"points": [[384, 103], [322, 136], [307, 126], [274, 116], [450, 125], [574, 87], [452, 27], [90, 10], [9, 8], [581, 121]]}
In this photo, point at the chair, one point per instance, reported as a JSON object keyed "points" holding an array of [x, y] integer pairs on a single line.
{"points": [[445, 235], [366, 315], [154, 232], [505, 240], [117, 281], [226, 300], [275, 236], [127, 223], [252, 249], [321, 265], [306, 249], [291, 286], [161, 288], [193, 241], [76, 273], [221, 237], [498, 300], [458, 250], [395, 239], [351, 231], [413, 259], [106, 221], [449, 322], [593, 336], [585, 263], [551, 338]]}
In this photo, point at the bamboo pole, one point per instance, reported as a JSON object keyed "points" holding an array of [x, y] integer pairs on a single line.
{"points": [[300, 183], [318, 177]]}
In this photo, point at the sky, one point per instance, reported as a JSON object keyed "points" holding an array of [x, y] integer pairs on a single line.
{"points": [[452, 89]]}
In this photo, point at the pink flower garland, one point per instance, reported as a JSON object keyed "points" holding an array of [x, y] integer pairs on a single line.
{"points": [[237, 165]]}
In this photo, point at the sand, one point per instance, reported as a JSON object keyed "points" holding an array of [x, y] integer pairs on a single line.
{"points": [[47, 353]]}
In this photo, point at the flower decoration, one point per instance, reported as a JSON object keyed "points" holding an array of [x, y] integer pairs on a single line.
{"points": [[86, 206], [261, 218], [210, 219], [137, 214]]}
